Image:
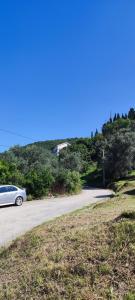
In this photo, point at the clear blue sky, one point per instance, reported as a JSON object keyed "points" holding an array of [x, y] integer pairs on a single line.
{"points": [[65, 65]]}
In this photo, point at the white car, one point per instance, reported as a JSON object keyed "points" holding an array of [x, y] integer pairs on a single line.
{"points": [[10, 194]]}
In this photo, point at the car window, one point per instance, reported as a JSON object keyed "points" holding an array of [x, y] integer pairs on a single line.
{"points": [[11, 189], [3, 189]]}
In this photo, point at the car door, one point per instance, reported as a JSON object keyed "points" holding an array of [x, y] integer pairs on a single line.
{"points": [[3, 195], [11, 192]]}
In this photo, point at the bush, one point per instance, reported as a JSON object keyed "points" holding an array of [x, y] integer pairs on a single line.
{"points": [[39, 183], [67, 182], [29, 197], [73, 182]]}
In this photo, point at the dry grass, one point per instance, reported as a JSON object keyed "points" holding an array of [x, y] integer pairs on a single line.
{"points": [[89, 254]]}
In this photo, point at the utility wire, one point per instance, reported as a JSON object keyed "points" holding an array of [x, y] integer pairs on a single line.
{"points": [[7, 146], [17, 134]]}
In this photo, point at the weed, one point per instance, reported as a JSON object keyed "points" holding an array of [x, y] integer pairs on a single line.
{"points": [[130, 296], [105, 269], [57, 256]]}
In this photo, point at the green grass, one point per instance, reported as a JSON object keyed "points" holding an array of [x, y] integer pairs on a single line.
{"points": [[125, 184], [93, 176], [88, 254], [130, 296]]}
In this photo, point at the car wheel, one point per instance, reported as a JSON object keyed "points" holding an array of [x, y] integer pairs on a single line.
{"points": [[19, 201]]}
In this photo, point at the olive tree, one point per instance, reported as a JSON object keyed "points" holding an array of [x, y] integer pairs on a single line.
{"points": [[120, 154]]}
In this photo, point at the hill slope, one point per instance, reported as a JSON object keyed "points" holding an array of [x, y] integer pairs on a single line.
{"points": [[86, 255], [50, 144], [35, 167]]}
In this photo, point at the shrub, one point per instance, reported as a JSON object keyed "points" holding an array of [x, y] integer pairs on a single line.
{"points": [[39, 183], [29, 197], [67, 182], [130, 296], [73, 182]]}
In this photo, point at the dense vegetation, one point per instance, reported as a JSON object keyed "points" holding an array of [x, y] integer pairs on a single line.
{"points": [[41, 172], [38, 170]]}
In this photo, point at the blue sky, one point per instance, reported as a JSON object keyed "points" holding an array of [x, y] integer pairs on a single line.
{"points": [[65, 65]]}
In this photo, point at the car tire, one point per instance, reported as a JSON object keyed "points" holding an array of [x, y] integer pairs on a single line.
{"points": [[19, 201]]}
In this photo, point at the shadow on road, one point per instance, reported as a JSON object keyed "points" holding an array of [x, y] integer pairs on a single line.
{"points": [[104, 196], [6, 206], [130, 193]]}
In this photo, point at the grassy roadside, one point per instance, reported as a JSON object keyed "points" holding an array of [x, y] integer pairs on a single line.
{"points": [[125, 184], [88, 254]]}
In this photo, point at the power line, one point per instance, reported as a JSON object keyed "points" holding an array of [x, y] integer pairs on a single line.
{"points": [[7, 146], [16, 134]]}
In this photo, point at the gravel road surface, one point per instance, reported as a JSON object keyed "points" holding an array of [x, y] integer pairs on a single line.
{"points": [[15, 221]]}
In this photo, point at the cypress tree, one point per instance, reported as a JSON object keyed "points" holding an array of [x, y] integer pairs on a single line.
{"points": [[131, 114], [118, 116], [110, 121], [96, 133], [92, 135], [115, 118]]}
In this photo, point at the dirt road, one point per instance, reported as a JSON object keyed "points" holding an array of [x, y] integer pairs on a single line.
{"points": [[15, 221]]}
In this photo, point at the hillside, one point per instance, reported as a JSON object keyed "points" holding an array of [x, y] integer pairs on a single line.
{"points": [[50, 144], [124, 121], [110, 152], [88, 254]]}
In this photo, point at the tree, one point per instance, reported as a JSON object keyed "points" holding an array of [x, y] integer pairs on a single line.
{"points": [[131, 114], [9, 174], [111, 128], [92, 135], [96, 133], [115, 118], [71, 161], [110, 120], [118, 116], [120, 154]]}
